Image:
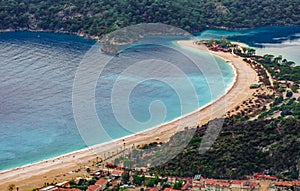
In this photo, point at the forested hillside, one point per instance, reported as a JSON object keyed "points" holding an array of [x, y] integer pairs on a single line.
{"points": [[95, 17], [242, 148]]}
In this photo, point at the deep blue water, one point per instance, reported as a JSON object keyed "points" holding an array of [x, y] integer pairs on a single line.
{"points": [[36, 72], [277, 40], [36, 89]]}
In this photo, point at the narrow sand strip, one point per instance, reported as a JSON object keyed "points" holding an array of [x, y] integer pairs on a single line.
{"points": [[58, 168]]}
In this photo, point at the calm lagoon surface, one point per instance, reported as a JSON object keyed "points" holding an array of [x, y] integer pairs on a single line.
{"points": [[37, 75], [276, 40]]}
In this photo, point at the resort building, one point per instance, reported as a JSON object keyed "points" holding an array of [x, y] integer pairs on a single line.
{"points": [[48, 188], [117, 173], [101, 183], [93, 188]]}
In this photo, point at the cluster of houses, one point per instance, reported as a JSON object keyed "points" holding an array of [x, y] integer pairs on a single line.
{"points": [[262, 176], [100, 185], [105, 178], [200, 183], [110, 177], [285, 83], [278, 186]]}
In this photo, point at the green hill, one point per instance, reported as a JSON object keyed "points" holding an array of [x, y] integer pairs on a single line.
{"points": [[242, 148], [95, 17]]}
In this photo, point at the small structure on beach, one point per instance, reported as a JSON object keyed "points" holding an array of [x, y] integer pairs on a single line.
{"points": [[254, 86], [63, 184]]}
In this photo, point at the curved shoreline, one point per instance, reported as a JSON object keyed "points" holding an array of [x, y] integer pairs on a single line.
{"points": [[50, 168], [228, 89]]}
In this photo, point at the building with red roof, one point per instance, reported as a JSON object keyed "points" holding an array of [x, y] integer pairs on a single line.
{"points": [[117, 173], [282, 184], [296, 183], [213, 184], [287, 184], [67, 189], [102, 183], [259, 176], [237, 182], [261, 59], [170, 189], [225, 185], [93, 188], [268, 177]]}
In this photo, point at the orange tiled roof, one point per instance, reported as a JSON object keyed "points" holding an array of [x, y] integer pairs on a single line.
{"points": [[260, 175], [283, 184], [297, 183], [170, 189], [101, 181], [287, 184], [216, 182], [236, 182], [117, 172], [92, 188]]}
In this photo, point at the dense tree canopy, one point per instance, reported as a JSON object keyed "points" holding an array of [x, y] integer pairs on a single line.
{"points": [[95, 17], [242, 148]]}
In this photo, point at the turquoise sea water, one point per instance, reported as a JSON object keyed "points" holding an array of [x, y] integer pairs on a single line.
{"points": [[37, 74], [276, 40]]}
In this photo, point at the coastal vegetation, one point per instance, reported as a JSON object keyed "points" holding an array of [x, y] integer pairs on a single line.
{"points": [[92, 17], [286, 80], [82, 184], [241, 149], [260, 137]]}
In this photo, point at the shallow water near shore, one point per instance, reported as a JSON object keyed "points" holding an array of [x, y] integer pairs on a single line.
{"points": [[37, 73], [276, 40]]}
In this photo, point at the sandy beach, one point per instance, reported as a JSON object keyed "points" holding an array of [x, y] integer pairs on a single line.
{"points": [[60, 168]]}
